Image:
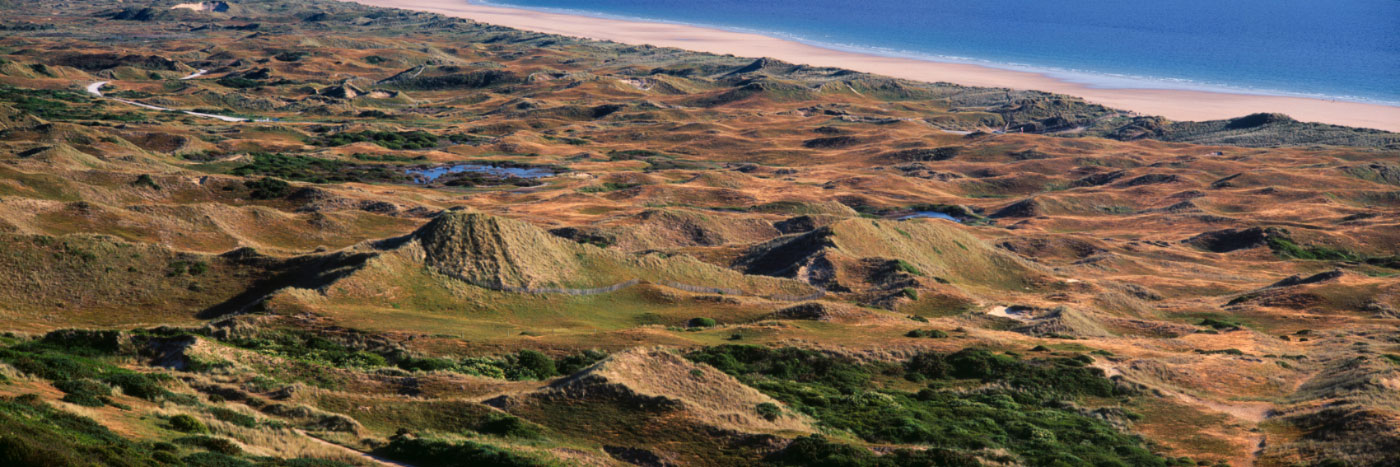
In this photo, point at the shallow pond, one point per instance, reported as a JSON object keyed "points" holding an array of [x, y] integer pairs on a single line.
{"points": [[929, 214], [430, 174]]}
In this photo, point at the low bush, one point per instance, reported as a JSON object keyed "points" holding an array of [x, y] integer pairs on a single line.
{"points": [[146, 181], [929, 333], [1017, 410], [187, 424], [816, 450], [769, 411], [309, 347], [701, 323], [37, 434], [234, 417], [432, 453], [211, 444], [85, 392], [531, 364], [501, 424], [267, 188], [392, 140], [238, 82], [318, 170], [82, 370]]}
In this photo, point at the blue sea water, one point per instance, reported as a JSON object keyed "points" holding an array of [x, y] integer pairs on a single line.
{"points": [[1336, 49]]}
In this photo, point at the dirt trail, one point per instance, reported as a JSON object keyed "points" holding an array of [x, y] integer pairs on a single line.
{"points": [[369, 459], [1249, 411], [96, 90], [1253, 412]]}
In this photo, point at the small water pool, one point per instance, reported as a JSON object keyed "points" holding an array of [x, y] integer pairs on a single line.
{"points": [[929, 214], [431, 174]]}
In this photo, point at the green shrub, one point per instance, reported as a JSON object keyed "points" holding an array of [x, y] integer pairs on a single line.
{"points": [[212, 444], [426, 364], [85, 392], [56, 362], [145, 180], [769, 411], [1286, 248], [187, 424], [267, 188], [608, 187], [903, 265], [214, 459], [701, 323], [501, 424], [238, 82], [37, 434], [1220, 323], [1019, 412], [534, 365], [429, 452], [816, 450], [416, 139], [318, 170], [577, 362], [234, 417], [309, 347], [929, 333]]}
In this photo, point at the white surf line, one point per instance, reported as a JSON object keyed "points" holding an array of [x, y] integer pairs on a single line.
{"points": [[96, 90], [197, 73]]}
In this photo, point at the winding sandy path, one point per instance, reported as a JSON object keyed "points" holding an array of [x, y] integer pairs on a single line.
{"points": [[96, 90], [368, 458], [196, 74]]}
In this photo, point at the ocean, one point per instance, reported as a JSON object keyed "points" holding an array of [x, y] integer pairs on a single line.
{"points": [[1339, 49]]}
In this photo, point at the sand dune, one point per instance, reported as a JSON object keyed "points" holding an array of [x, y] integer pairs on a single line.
{"points": [[1174, 104]]}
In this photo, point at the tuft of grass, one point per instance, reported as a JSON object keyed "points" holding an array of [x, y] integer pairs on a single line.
{"points": [[903, 265]]}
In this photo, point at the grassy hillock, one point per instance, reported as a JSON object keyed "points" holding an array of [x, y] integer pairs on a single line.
{"points": [[919, 248], [1253, 130]]}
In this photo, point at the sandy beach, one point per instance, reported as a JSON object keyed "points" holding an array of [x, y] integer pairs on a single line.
{"points": [[1173, 104]]}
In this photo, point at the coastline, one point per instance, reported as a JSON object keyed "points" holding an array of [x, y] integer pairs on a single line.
{"points": [[1171, 103]]}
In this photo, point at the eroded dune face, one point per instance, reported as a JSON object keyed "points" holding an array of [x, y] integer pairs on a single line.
{"points": [[438, 241]]}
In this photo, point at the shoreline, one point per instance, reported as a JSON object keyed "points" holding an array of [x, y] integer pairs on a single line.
{"points": [[1174, 104]]}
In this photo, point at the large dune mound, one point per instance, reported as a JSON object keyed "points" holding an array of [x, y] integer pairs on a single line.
{"points": [[664, 382], [506, 254], [924, 248]]}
